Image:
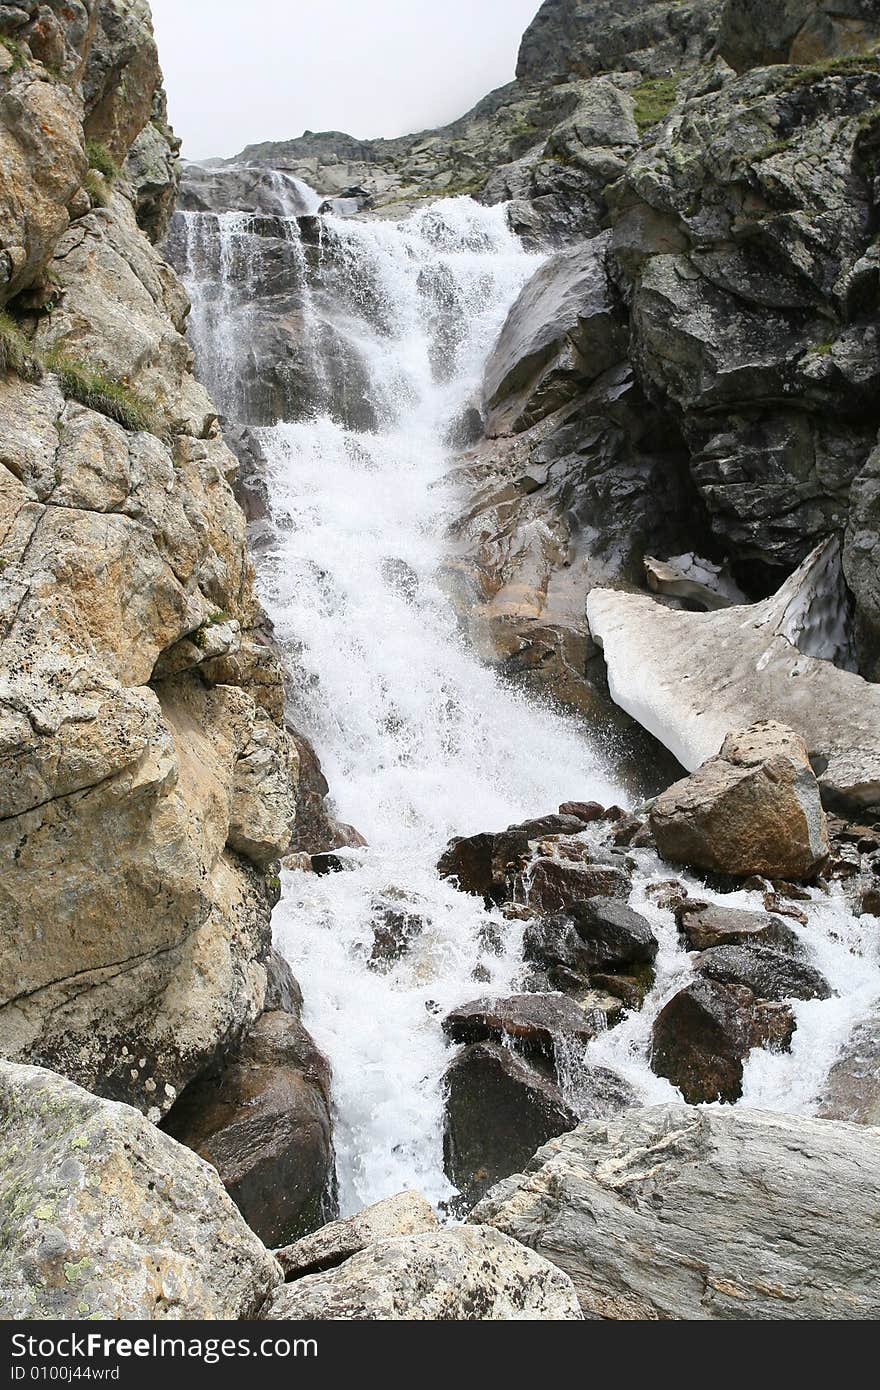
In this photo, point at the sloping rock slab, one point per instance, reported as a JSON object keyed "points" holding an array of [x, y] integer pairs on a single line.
{"points": [[466, 1275], [536, 1021], [105, 1217], [675, 1212], [688, 678], [406, 1214]]}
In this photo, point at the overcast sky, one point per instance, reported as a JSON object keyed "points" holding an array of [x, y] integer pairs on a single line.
{"points": [[240, 73]]}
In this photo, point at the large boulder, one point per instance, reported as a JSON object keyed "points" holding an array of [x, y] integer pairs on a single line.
{"points": [[483, 864], [705, 925], [696, 1214], [105, 1217], [264, 1123], [405, 1214], [753, 809], [560, 335], [755, 33], [499, 1109], [465, 1275]]}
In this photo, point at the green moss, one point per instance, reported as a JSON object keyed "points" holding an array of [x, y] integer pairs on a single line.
{"points": [[822, 349], [16, 353], [101, 392], [654, 99], [17, 52], [101, 159]]}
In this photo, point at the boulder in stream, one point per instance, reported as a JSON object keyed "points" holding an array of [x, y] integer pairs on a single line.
{"points": [[702, 1037], [704, 925], [768, 973], [596, 934], [535, 1022], [405, 1214], [753, 809], [704, 1213]]}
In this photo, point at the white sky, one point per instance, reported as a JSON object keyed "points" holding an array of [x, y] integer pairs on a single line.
{"points": [[238, 73]]}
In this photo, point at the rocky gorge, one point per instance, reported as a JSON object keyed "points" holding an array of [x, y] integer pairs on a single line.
{"points": [[439, 726]]}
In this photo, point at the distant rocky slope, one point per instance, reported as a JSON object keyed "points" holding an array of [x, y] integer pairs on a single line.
{"points": [[148, 784]]}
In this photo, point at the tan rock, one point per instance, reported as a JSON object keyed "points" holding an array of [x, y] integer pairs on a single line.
{"points": [[40, 175], [406, 1214], [753, 809]]}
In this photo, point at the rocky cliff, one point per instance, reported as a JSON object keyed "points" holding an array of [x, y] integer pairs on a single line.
{"points": [[149, 784]]}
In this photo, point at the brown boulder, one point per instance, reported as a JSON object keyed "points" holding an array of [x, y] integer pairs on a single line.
{"points": [[537, 1022], [264, 1123], [703, 1035], [482, 864], [499, 1111], [552, 884], [705, 925], [753, 809]]}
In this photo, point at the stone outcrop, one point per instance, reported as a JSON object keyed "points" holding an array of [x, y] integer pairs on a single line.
{"points": [[466, 1275], [698, 1214], [104, 1217], [755, 33], [149, 784], [753, 809]]}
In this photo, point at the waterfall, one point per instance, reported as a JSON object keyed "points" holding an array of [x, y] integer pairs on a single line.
{"points": [[418, 740]]}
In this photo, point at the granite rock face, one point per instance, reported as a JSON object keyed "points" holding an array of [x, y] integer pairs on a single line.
{"points": [[703, 1214], [104, 1217], [148, 781], [471, 1274]]}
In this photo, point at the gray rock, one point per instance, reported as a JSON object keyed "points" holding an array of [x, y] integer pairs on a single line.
{"points": [[471, 1274], [535, 1022], [704, 925], [406, 1214], [702, 1214], [595, 934], [560, 335], [852, 1087], [105, 1217], [861, 563], [755, 33], [769, 974], [587, 36]]}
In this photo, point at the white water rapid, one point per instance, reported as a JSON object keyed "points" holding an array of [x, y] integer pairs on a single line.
{"points": [[420, 742]]}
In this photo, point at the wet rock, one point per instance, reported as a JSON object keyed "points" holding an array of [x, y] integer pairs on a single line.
{"points": [[112, 1219], [560, 335], [852, 1088], [597, 934], [587, 811], [482, 863], [264, 1123], [499, 1109], [754, 809], [552, 884], [630, 987], [768, 973], [704, 1034], [282, 989], [704, 925], [394, 930], [698, 1214], [463, 1275], [537, 1023], [406, 1214]]}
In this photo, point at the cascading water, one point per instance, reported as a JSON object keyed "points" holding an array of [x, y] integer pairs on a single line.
{"points": [[418, 740]]}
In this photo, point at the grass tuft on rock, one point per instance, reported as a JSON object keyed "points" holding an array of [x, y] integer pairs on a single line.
{"points": [[843, 65], [654, 99], [101, 159], [97, 188], [16, 353], [101, 392]]}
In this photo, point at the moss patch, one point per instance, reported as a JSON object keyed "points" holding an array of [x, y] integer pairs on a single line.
{"points": [[100, 158], [846, 65], [654, 99]]}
